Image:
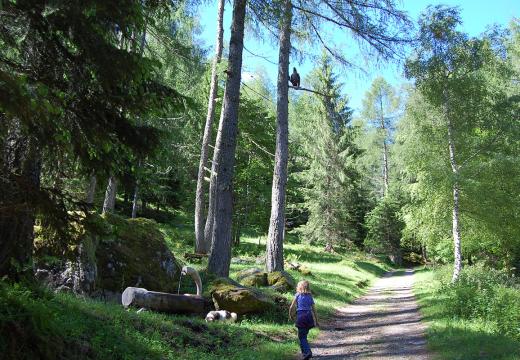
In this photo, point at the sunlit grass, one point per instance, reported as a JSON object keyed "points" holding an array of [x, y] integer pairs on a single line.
{"points": [[70, 327]]}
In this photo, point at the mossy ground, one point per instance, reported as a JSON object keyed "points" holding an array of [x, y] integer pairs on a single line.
{"points": [[454, 338], [64, 326]]}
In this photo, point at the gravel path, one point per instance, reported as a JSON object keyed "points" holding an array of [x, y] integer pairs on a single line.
{"points": [[384, 324]]}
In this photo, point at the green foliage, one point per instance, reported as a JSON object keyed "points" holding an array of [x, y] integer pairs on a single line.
{"points": [[452, 336], [331, 193], [461, 83], [384, 227], [487, 294]]}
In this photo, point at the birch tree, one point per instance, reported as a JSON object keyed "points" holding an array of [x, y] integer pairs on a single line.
{"points": [[467, 123]]}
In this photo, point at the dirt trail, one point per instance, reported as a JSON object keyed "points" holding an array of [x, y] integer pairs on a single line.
{"points": [[384, 324]]}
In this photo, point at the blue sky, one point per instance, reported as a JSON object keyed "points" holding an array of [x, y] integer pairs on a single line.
{"points": [[477, 15]]}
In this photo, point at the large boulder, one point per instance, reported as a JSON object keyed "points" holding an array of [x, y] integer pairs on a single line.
{"points": [[281, 281], [108, 253], [229, 295], [248, 272], [136, 254], [252, 277]]}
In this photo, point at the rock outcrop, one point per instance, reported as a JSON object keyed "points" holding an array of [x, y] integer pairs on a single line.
{"points": [[106, 254]]}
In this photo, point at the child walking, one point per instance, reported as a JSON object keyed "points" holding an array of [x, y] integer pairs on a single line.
{"points": [[306, 317]]}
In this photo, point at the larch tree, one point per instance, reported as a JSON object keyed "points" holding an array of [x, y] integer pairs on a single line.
{"points": [[202, 243], [378, 24], [379, 110], [224, 153], [274, 255]]}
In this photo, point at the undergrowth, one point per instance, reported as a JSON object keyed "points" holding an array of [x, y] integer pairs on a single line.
{"points": [[478, 317]]}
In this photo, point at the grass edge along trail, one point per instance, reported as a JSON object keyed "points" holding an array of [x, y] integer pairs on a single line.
{"points": [[453, 338], [39, 324]]}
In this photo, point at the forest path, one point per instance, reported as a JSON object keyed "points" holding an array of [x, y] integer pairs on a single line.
{"points": [[383, 324]]}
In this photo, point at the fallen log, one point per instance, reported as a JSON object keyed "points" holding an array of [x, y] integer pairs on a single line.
{"points": [[163, 302]]}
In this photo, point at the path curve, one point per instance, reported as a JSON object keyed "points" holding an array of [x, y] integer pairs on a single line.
{"points": [[384, 324]]}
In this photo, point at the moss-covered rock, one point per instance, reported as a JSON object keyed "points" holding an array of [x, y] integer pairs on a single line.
{"points": [[252, 277], [248, 272], [112, 253], [281, 281], [257, 280], [135, 254], [229, 295]]}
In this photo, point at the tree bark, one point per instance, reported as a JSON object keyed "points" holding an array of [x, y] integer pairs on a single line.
{"points": [[274, 256], [20, 182], [110, 195], [457, 265], [210, 218], [202, 244], [385, 151], [220, 257], [136, 188], [136, 197], [91, 190]]}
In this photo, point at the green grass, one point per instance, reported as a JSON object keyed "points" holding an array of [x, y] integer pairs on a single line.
{"points": [[453, 338], [65, 326]]}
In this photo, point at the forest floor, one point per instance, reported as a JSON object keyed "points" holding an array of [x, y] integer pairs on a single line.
{"points": [[383, 324]]}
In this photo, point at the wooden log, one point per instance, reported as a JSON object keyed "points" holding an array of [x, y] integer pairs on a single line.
{"points": [[163, 302]]}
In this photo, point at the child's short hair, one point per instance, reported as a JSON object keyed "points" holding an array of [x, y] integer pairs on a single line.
{"points": [[303, 287]]}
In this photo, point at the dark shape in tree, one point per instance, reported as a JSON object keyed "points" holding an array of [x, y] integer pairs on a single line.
{"points": [[295, 78]]}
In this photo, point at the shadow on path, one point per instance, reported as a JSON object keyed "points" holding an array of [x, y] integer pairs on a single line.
{"points": [[384, 324]]}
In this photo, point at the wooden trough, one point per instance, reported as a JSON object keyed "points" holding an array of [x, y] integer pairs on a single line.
{"points": [[166, 302]]}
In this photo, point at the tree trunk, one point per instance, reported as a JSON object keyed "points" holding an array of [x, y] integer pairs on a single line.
{"points": [[274, 256], [210, 219], [201, 245], [385, 151], [20, 183], [91, 190], [136, 197], [136, 188], [220, 257], [110, 195], [457, 265]]}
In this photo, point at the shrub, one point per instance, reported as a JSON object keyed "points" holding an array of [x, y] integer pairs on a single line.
{"points": [[487, 294]]}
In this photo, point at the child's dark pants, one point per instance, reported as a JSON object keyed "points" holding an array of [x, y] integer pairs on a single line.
{"points": [[304, 344], [304, 322]]}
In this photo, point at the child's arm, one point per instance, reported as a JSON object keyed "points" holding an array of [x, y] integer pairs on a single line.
{"points": [[315, 316], [291, 308]]}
